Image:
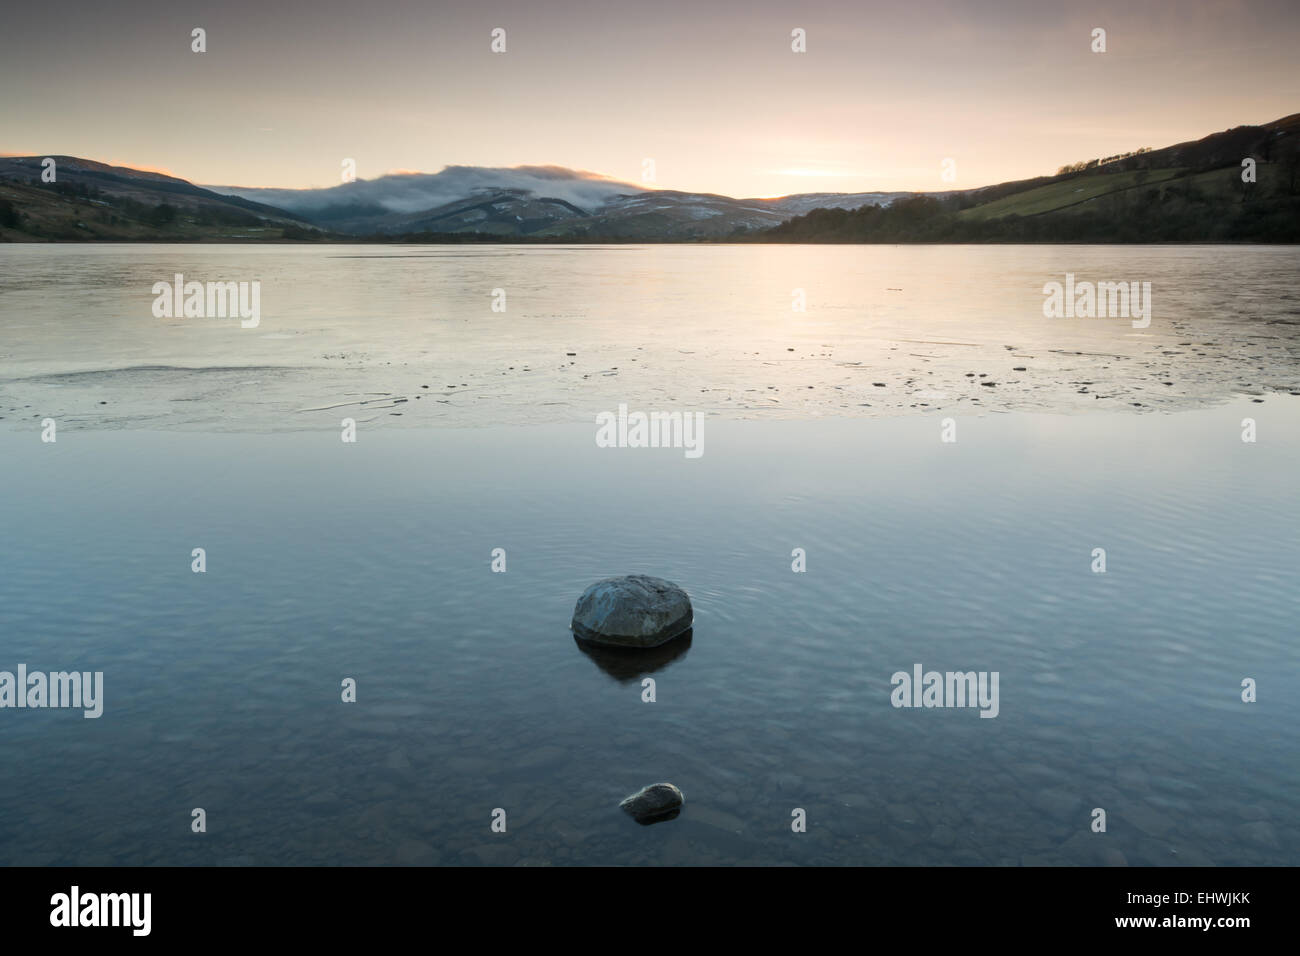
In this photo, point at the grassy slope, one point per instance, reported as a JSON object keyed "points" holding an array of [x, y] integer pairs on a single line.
{"points": [[1079, 194], [1060, 195]]}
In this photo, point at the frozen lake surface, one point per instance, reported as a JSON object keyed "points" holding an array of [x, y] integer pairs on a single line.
{"points": [[398, 335]]}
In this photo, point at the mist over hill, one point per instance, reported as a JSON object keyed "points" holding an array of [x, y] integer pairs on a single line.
{"points": [[538, 201], [414, 192]]}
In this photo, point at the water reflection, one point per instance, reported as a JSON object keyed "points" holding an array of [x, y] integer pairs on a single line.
{"points": [[660, 818], [627, 664]]}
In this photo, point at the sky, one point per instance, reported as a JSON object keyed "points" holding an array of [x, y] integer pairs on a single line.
{"points": [[709, 91]]}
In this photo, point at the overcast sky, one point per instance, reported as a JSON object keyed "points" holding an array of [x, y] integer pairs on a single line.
{"points": [[710, 90]]}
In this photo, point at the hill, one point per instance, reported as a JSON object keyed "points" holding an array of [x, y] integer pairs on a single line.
{"points": [[1190, 192], [537, 203], [93, 201]]}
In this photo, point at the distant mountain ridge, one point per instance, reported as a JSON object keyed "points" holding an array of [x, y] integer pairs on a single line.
{"points": [[1192, 191], [537, 201]]}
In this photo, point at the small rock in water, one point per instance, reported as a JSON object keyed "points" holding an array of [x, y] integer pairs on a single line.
{"points": [[632, 611], [657, 802]]}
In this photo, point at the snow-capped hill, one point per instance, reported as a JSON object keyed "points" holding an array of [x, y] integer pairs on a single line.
{"points": [[537, 201], [415, 192]]}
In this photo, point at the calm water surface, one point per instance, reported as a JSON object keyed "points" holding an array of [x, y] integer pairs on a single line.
{"points": [[372, 561]]}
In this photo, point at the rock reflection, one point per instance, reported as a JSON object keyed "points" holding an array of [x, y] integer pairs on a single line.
{"points": [[626, 664], [659, 818]]}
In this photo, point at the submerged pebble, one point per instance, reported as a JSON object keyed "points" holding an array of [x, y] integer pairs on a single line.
{"points": [[659, 801]]}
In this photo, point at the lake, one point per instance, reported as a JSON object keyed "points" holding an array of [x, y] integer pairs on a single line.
{"points": [[946, 459]]}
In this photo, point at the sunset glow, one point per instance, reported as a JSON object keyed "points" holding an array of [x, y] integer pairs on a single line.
{"points": [[713, 94]]}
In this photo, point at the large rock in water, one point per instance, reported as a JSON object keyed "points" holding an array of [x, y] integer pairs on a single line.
{"points": [[632, 611], [659, 801]]}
